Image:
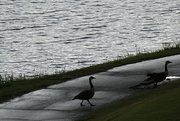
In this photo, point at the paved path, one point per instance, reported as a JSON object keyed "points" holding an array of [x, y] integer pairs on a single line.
{"points": [[55, 103]]}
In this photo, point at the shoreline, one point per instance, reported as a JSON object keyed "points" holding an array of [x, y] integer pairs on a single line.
{"points": [[22, 86]]}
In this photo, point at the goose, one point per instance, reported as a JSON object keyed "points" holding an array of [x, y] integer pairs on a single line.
{"points": [[158, 77], [155, 77], [86, 94]]}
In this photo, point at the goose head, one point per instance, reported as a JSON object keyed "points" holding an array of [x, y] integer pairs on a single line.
{"points": [[91, 77], [167, 62]]}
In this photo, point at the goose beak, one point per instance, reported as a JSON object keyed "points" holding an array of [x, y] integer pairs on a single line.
{"points": [[169, 62]]}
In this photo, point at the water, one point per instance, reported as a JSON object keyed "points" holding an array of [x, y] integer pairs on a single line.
{"points": [[47, 36]]}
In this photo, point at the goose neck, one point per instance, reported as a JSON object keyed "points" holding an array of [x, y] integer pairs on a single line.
{"points": [[91, 85], [166, 69]]}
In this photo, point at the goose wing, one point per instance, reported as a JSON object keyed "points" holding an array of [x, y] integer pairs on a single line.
{"points": [[156, 77], [85, 95]]}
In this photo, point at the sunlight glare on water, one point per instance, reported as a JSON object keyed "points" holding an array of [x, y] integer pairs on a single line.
{"points": [[40, 36]]}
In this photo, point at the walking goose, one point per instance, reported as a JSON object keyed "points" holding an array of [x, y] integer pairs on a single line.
{"points": [[155, 77], [158, 77], [86, 94]]}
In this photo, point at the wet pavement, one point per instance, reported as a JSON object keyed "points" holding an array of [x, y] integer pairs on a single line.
{"points": [[55, 103]]}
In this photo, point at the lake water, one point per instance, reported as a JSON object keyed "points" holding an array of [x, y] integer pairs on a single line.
{"points": [[47, 36]]}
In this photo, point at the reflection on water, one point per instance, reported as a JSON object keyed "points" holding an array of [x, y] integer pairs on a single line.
{"points": [[172, 78], [47, 36]]}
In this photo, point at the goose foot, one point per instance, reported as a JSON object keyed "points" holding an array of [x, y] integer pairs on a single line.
{"points": [[91, 103], [82, 103]]}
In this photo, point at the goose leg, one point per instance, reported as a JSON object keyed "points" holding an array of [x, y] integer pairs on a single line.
{"points": [[82, 103], [91, 103]]}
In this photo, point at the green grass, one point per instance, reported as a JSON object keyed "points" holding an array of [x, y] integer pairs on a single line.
{"points": [[18, 87], [160, 104], [165, 107]]}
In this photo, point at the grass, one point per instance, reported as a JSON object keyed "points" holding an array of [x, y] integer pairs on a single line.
{"points": [[160, 104], [17, 87]]}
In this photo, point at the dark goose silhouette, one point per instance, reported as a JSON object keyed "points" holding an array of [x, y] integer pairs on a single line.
{"points": [[155, 77], [86, 94]]}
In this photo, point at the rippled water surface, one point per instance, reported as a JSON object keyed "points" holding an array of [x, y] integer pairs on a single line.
{"points": [[45, 36]]}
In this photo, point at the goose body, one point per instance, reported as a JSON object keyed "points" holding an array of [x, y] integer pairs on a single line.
{"points": [[86, 94], [158, 77], [155, 77]]}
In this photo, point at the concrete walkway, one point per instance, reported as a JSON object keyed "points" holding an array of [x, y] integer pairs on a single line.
{"points": [[55, 103]]}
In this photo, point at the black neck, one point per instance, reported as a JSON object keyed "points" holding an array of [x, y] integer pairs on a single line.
{"points": [[91, 83], [166, 70]]}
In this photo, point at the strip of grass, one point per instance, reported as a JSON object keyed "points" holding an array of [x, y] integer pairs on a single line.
{"points": [[160, 104], [164, 107], [18, 87]]}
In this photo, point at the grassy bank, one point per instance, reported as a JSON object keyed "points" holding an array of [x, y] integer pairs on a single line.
{"points": [[160, 104], [17, 87]]}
